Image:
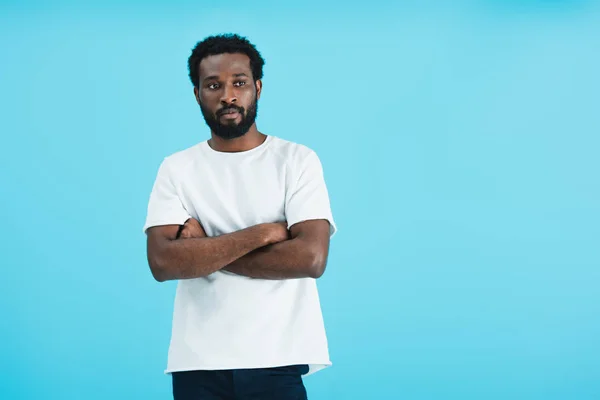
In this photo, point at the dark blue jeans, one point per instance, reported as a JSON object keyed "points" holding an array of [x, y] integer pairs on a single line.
{"points": [[280, 383]]}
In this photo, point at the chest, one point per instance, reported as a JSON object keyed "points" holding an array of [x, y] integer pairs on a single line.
{"points": [[227, 198]]}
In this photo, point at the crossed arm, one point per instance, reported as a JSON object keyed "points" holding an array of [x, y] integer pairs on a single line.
{"points": [[265, 251]]}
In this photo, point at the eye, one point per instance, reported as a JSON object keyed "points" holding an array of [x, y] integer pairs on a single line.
{"points": [[213, 86], [240, 83]]}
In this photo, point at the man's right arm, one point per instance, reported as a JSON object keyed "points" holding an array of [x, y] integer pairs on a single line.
{"points": [[171, 259]]}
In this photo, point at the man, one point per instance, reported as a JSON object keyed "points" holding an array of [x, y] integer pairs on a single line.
{"points": [[243, 222]]}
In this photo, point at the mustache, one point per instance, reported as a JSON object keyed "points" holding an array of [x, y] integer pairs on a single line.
{"points": [[228, 109]]}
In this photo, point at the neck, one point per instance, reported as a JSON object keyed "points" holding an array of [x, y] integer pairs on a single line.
{"points": [[253, 138]]}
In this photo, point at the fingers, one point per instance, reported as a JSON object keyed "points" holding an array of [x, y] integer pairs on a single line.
{"points": [[192, 229], [185, 233], [189, 234], [192, 222]]}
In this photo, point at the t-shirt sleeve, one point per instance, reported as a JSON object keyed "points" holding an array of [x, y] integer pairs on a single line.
{"points": [[307, 197], [165, 206]]}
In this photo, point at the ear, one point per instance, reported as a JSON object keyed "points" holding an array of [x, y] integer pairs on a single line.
{"points": [[258, 84], [197, 95]]}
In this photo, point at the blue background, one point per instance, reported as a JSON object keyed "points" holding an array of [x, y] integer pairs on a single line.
{"points": [[460, 145]]}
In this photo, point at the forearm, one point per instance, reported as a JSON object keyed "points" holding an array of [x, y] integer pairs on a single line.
{"points": [[198, 257], [285, 260]]}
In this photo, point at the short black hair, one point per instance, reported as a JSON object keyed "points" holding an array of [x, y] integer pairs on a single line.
{"points": [[225, 43]]}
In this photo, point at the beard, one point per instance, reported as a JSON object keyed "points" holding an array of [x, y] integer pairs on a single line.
{"points": [[231, 130]]}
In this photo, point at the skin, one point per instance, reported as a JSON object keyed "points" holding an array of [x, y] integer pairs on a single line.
{"points": [[264, 251], [303, 255], [227, 79]]}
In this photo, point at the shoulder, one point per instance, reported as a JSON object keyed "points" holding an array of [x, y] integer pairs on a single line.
{"points": [[292, 152], [182, 158]]}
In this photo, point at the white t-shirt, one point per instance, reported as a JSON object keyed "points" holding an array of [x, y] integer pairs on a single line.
{"points": [[228, 321]]}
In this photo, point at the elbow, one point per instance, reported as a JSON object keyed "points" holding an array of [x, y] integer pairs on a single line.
{"points": [[158, 269], [316, 272], [159, 276], [317, 266]]}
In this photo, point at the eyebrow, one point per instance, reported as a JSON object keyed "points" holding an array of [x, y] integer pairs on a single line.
{"points": [[216, 77]]}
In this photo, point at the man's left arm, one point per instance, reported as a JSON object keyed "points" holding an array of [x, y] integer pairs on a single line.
{"points": [[302, 256]]}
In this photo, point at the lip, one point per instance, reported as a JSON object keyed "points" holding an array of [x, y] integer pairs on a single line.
{"points": [[229, 114]]}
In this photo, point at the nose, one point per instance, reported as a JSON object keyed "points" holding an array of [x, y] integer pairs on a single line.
{"points": [[229, 95]]}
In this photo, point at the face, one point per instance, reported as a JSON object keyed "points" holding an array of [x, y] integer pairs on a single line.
{"points": [[227, 94]]}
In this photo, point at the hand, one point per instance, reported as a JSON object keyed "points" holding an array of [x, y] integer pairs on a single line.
{"points": [[192, 229], [277, 232]]}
